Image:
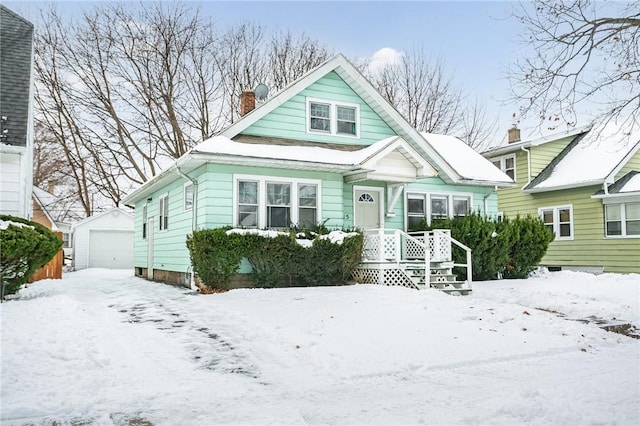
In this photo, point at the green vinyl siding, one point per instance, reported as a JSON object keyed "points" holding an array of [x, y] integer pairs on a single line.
{"points": [[632, 164], [589, 246], [543, 154], [288, 121]]}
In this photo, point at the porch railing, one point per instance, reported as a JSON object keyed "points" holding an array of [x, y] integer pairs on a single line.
{"points": [[396, 246]]}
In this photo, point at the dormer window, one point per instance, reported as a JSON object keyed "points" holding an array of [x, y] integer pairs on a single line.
{"points": [[332, 118]]}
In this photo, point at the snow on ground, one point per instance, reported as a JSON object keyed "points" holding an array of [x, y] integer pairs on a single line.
{"points": [[103, 347]]}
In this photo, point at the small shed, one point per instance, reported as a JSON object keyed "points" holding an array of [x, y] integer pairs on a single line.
{"points": [[104, 240]]}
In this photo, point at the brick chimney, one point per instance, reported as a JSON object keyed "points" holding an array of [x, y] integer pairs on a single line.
{"points": [[513, 135], [51, 185], [247, 101]]}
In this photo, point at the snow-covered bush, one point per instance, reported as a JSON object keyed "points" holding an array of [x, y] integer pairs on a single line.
{"points": [[25, 247], [277, 258]]}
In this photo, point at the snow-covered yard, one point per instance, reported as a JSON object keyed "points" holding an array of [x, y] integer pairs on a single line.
{"points": [[102, 347]]}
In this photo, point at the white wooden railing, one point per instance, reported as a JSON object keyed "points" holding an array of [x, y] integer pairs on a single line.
{"points": [[396, 246]]}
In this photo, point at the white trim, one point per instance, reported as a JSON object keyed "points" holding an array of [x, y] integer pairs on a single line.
{"points": [[503, 168], [162, 226], [556, 220], [145, 221], [610, 178], [623, 221], [427, 199], [380, 192], [333, 117], [262, 181]]}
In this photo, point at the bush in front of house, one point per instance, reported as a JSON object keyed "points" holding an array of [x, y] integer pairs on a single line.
{"points": [[512, 248], [282, 259], [530, 239], [215, 256], [25, 247]]}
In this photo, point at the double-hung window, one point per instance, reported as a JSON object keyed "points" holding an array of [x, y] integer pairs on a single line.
{"points": [[559, 220], [333, 118], [307, 204], [461, 205], [416, 210], [188, 196], [164, 213], [278, 205], [439, 207], [248, 203], [269, 202], [507, 164], [622, 220]]}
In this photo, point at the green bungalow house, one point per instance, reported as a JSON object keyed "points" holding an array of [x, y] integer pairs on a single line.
{"points": [[585, 185], [327, 148]]}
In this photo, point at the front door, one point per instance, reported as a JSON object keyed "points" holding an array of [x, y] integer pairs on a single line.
{"points": [[366, 209]]}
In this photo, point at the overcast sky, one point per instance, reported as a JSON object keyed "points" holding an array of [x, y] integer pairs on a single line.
{"points": [[476, 40]]}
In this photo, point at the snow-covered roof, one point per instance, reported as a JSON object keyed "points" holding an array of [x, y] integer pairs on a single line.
{"points": [[350, 74], [591, 159], [627, 185], [469, 164], [516, 146], [115, 210]]}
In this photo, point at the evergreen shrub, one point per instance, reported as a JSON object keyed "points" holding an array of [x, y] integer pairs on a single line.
{"points": [[278, 261], [512, 248], [23, 250]]}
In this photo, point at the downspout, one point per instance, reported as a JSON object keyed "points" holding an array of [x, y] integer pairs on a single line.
{"points": [[486, 197], [194, 217], [528, 164]]}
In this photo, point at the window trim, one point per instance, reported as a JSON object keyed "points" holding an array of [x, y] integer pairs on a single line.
{"points": [[623, 220], [163, 220], [427, 195], [556, 220], [333, 117], [502, 159], [262, 181], [184, 195]]}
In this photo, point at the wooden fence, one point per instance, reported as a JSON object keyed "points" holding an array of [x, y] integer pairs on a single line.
{"points": [[53, 269]]}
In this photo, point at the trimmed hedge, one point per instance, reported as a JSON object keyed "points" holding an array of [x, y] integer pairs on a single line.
{"points": [[24, 250], [278, 261]]}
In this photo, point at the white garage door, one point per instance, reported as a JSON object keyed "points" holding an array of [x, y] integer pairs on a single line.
{"points": [[111, 249]]}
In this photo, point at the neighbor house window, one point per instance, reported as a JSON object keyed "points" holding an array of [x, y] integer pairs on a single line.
{"points": [[425, 207], [334, 118], [622, 220], [507, 164], [164, 213], [188, 196], [558, 220], [65, 240], [144, 221], [268, 202]]}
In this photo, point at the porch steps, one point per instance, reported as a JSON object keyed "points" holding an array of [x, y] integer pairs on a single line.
{"points": [[441, 277]]}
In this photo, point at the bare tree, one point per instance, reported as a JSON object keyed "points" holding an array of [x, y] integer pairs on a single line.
{"points": [[578, 52], [427, 96], [289, 58]]}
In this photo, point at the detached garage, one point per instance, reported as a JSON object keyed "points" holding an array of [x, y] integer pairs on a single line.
{"points": [[104, 240]]}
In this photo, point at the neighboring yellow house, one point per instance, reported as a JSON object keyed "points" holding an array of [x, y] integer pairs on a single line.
{"points": [[585, 185]]}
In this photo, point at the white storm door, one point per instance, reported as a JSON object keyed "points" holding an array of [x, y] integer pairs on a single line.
{"points": [[367, 208]]}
